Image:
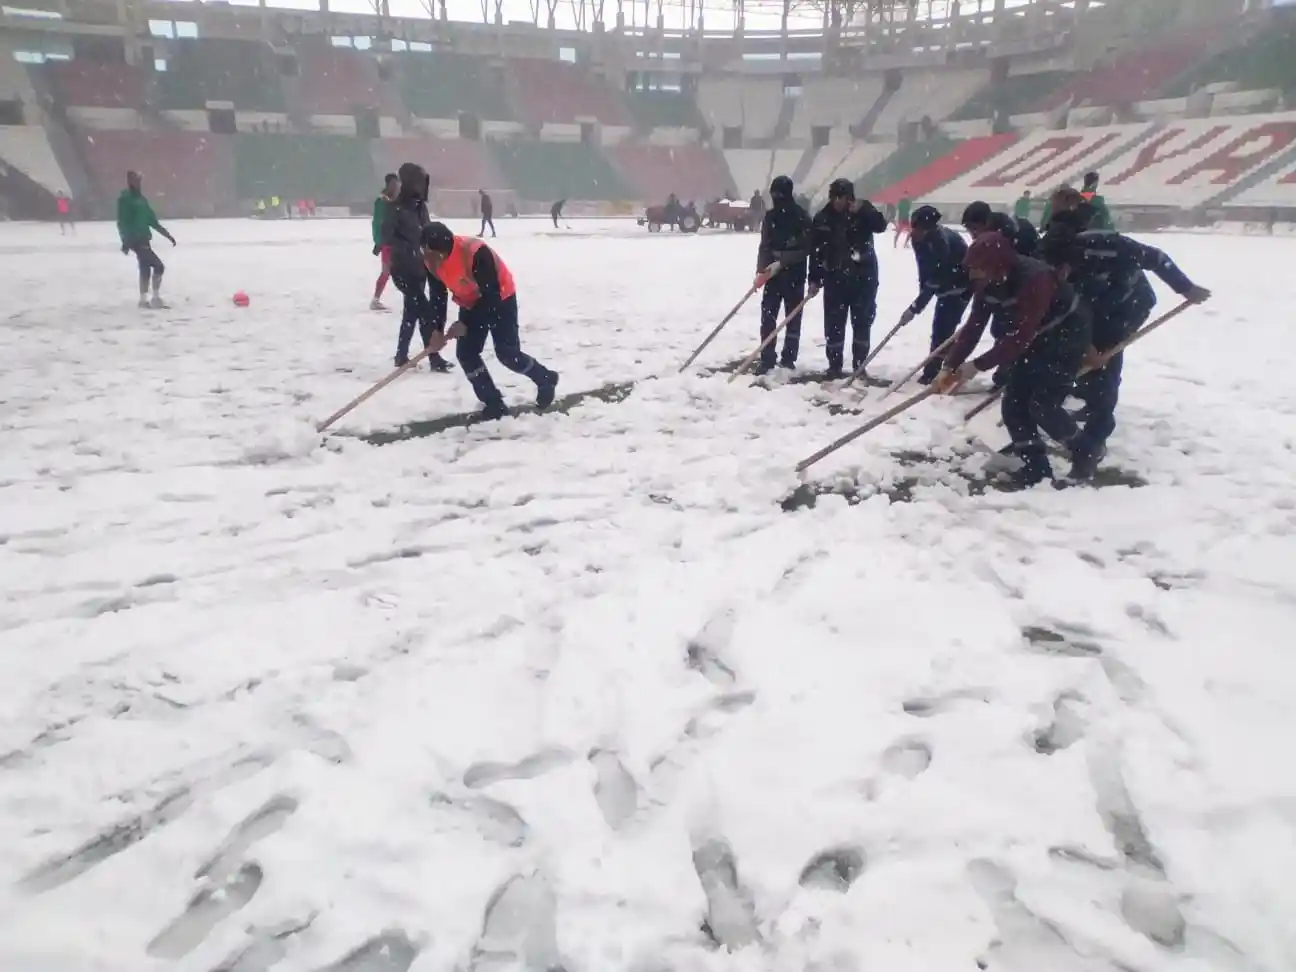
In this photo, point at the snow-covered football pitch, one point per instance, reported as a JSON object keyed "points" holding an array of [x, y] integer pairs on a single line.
{"points": [[613, 688]]}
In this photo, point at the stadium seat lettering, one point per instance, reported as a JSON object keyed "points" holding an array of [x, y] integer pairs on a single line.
{"points": [[1289, 179], [1162, 149], [1044, 156], [1252, 148]]}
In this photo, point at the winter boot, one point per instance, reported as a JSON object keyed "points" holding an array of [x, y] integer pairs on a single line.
{"points": [[1035, 466], [440, 364], [546, 390], [788, 364], [144, 301], [493, 411], [763, 368], [1084, 461], [834, 371], [401, 359], [157, 303]]}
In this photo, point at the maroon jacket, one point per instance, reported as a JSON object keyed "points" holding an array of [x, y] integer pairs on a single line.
{"points": [[1031, 297]]}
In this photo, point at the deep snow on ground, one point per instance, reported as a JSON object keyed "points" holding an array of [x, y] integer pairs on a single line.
{"points": [[556, 690]]}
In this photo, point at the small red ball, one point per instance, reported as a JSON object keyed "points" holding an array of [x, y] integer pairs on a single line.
{"points": [[240, 299]]}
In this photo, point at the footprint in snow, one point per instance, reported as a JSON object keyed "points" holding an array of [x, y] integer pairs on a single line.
{"points": [[495, 820], [206, 909], [529, 767], [389, 951], [615, 790], [265, 948], [908, 758], [519, 927], [258, 825], [835, 869], [731, 915], [1066, 728]]}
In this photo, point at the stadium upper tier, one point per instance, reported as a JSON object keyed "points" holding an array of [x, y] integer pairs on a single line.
{"points": [[220, 122]]}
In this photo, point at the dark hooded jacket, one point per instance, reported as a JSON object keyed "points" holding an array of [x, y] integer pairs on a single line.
{"points": [[403, 225], [785, 234], [843, 242], [940, 267]]}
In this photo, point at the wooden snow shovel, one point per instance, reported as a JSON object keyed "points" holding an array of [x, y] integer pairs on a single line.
{"points": [[719, 327], [773, 335], [1103, 359], [362, 398], [876, 351], [868, 426]]}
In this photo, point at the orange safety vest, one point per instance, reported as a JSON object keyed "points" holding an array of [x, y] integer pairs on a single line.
{"points": [[455, 272]]}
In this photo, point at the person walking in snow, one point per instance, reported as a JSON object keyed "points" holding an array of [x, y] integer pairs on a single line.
{"points": [[402, 233], [478, 280], [135, 224], [487, 212], [382, 203]]}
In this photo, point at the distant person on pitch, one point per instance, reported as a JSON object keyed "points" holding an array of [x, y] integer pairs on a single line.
{"points": [[64, 205], [556, 211], [135, 224], [487, 213], [480, 283], [384, 201]]}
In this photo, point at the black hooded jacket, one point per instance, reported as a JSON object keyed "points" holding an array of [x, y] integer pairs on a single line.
{"points": [[843, 242], [403, 225], [785, 236]]}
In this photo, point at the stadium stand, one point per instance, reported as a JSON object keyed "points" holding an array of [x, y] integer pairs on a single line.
{"points": [[331, 169], [942, 169], [450, 163], [663, 109], [1262, 62], [337, 81], [838, 103], [444, 84], [1016, 94], [753, 104], [545, 171], [185, 173], [220, 69], [753, 169], [85, 83], [1276, 190], [930, 94], [27, 149], [552, 91], [692, 172], [1135, 75], [899, 165]]}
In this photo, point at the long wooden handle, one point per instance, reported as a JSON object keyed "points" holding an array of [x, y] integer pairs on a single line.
{"points": [[719, 327], [747, 361], [868, 426], [941, 349], [365, 396], [876, 351]]}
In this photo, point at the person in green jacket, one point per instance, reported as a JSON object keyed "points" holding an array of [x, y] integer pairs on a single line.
{"points": [[135, 224], [903, 209], [391, 189], [1022, 208]]}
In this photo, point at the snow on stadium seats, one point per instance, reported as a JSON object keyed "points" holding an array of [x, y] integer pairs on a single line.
{"points": [[692, 172], [338, 81], [1039, 162], [933, 94], [1264, 61], [837, 103], [554, 91], [1188, 163], [1135, 75], [15, 85], [1014, 95], [27, 149], [221, 69], [185, 173], [1278, 190], [98, 84], [750, 169], [752, 104], [450, 163]]}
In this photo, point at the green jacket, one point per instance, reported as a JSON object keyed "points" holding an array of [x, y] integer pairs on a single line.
{"points": [[1102, 215], [1022, 207], [903, 208], [135, 219], [381, 205]]}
